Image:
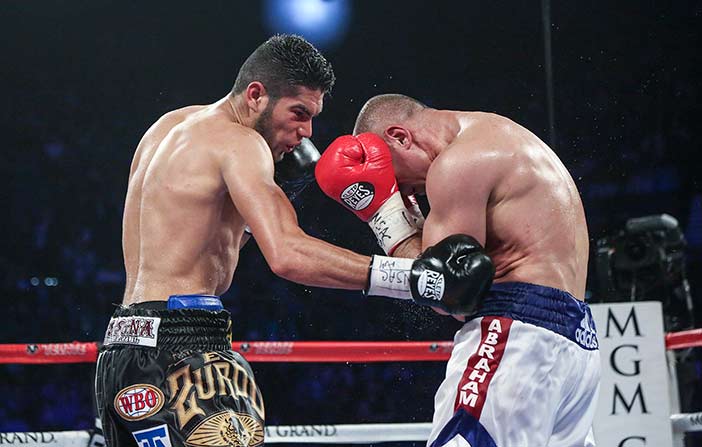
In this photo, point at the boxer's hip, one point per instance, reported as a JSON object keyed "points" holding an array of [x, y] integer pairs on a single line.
{"points": [[168, 365], [182, 323], [529, 356], [548, 308]]}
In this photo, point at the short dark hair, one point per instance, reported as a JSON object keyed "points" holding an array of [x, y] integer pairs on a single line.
{"points": [[284, 62], [382, 110]]}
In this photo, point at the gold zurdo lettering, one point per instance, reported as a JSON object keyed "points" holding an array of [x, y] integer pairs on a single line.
{"points": [[219, 376]]}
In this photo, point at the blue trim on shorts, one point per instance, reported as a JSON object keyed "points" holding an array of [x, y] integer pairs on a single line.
{"points": [[465, 424], [205, 302], [552, 309]]}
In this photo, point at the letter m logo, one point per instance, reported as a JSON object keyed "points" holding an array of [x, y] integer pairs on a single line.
{"points": [[612, 321], [638, 395]]}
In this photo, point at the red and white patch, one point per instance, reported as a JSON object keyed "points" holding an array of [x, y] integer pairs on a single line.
{"points": [[137, 402], [482, 364]]}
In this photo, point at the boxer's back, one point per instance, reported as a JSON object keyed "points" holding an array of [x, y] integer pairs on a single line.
{"points": [[179, 224], [536, 229]]}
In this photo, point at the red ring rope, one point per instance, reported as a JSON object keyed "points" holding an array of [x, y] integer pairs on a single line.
{"points": [[292, 351], [683, 339]]}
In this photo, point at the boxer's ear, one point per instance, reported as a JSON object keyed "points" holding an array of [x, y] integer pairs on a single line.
{"points": [[256, 96], [399, 137]]}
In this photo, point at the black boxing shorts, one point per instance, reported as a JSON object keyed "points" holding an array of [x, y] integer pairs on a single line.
{"points": [[167, 377]]}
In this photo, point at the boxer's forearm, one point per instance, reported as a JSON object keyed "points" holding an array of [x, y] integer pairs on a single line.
{"points": [[410, 247], [313, 262]]}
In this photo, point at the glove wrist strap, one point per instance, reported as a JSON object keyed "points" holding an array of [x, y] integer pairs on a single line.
{"points": [[392, 223], [389, 277]]}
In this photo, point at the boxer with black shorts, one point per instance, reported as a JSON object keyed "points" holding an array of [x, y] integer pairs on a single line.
{"points": [[524, 370], [200, 177]]}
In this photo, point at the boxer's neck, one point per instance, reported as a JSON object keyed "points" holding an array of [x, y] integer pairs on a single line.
{"points": [[434, 130], [238, 111]]}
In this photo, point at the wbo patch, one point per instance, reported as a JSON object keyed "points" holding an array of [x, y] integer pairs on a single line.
{"points": [[227, 429], [137, 402], [153, 437]]}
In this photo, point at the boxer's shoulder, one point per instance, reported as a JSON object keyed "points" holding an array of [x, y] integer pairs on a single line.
{"points": [[241, 151], [166, 123], [466, 158], [488, 119], [488, 131], [224, 137], [242, 141]]}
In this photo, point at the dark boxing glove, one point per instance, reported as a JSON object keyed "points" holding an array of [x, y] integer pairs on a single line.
{"points": [[453, 275], [296, 170]]}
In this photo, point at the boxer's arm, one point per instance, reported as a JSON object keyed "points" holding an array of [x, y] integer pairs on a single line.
{"points": [[292, 174], [247, 170], [409, 248], [458, 174]]}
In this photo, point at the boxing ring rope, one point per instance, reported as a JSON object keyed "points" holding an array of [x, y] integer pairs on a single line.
{"points": [[301, 351], [254, 351], [291, 351]]}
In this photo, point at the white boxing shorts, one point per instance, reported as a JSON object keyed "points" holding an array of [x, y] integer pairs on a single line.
{"points": [[524, 372]]}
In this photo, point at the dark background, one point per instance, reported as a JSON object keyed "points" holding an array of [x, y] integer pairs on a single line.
{"points": [[80, 82]]}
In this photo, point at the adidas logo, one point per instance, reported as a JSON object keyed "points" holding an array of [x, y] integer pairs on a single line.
{"points": [[585, 335]]}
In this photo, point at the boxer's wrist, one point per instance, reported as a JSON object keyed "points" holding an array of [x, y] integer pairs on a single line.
{"points": [[389, 277], [392, 223]]}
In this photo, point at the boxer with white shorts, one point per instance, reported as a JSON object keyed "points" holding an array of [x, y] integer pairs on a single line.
{"points": [[521, 374], [525, 368]]}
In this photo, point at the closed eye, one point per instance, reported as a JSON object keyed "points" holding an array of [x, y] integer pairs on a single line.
{"points": [[301, 113]]}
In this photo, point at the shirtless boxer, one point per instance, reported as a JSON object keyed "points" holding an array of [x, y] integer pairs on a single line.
{"points": [[167, 375], [524, 370]]}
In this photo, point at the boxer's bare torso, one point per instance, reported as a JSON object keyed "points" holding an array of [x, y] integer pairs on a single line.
{"points": [[500, 183], [181, 231], [199, 175]]}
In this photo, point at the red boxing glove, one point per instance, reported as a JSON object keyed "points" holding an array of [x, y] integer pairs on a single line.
{"points": [[357, 172]]}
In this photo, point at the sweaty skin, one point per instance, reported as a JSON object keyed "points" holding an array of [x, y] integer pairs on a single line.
{"points": [[486, 176], [198, 177]]}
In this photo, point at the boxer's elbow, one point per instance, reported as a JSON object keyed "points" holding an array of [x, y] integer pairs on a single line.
{"points": [[293, 255], [285, 261], [282, 266], [300, 266], [292, 268]]}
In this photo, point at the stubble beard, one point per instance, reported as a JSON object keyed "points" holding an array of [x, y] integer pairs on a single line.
{"points": [[263, 125]]}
